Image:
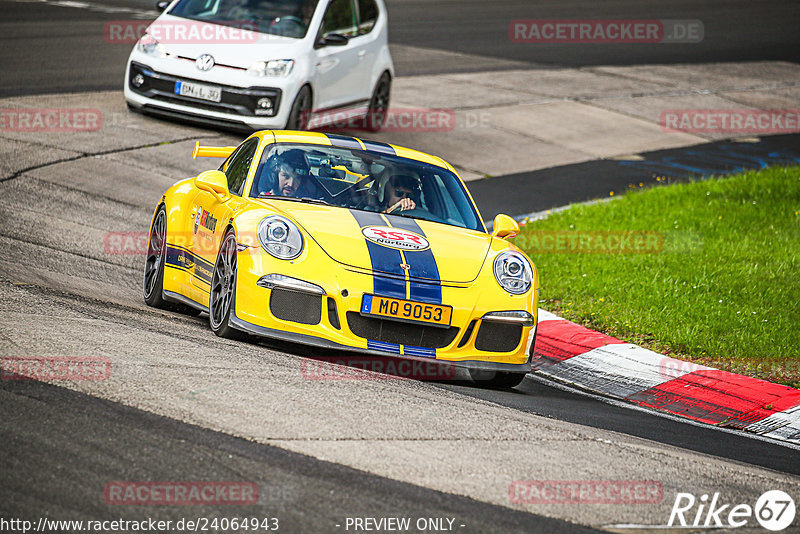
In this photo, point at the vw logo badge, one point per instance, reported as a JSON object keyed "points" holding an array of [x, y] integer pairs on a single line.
{"points": [[204, 62]]}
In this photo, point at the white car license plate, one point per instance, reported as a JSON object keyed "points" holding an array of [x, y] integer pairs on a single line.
{"points": [[196, 90]]}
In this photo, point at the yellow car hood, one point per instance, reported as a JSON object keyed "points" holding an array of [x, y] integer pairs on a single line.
{"points": [[384, 243]]}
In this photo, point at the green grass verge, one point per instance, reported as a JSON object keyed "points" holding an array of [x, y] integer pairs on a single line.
{"points": [[715, 280]]}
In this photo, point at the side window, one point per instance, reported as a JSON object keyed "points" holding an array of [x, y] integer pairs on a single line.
{"points": [[340, 18], [367, 16], [238, 164]]}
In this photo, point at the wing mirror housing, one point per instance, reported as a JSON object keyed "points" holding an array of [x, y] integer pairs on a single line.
{"points": [[504, 226], [332, 39], [215, 182], [161, 5]]}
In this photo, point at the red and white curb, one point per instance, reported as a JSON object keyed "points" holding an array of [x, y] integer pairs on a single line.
{"points": [[575, 355]]}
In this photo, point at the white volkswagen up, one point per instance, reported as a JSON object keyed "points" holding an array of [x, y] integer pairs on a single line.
{"points": [[262, 64]]}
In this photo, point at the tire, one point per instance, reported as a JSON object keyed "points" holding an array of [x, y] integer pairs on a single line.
{"points": [[153, 287], [379, 103], [301, 108], [496, 379], [222, 298]]}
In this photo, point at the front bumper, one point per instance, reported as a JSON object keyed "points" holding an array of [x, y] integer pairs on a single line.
{"points": [[333, 320], [153, 91]]}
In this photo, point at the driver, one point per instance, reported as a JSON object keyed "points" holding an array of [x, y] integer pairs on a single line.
{"points": [[401, 194], [289, 175]]}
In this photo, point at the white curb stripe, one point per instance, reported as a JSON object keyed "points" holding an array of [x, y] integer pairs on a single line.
{"points": [[619, 370]]}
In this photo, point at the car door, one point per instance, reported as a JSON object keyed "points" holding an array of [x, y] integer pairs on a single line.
{"points": [[338, 76], [211, 215]]}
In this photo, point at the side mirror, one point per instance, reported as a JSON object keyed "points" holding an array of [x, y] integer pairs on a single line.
{"points": [[215, 182], [161, 5], [332, 39], [504, 226]]}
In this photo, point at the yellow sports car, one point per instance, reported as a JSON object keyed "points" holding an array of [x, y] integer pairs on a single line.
{"points": [[347, 244]]}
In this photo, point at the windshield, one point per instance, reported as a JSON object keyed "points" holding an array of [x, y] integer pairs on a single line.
{"points": [[288, 18], [361, 180]]}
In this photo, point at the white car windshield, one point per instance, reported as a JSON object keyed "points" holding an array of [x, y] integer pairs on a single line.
{"points": [[288, 18], [361, 180]]}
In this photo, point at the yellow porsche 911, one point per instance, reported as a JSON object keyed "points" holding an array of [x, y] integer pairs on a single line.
{"points": [[347, 244]]}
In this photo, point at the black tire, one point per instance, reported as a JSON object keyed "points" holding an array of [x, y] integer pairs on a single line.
{"points": [[301, 109], [222, 298], [379, 103], [154, 267], [154, 263], [496, 379]]}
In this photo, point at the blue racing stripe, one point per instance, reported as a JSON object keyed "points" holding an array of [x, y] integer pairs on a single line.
{"points": [[383, 346], [343, 141], [384, 260], [423, 265], [183, 259], [419, 351], [381, 148]]}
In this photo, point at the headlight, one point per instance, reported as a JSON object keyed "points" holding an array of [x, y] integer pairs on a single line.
{"points": [[277, 68], [513, 272], [150, 46], [280, 237]]}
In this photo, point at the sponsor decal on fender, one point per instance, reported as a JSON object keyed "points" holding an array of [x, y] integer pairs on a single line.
{"points": [[205, 220], [395, 238]]}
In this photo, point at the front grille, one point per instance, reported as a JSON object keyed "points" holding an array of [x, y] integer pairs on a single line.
{"points": [[498, 337], [388, 331], [296, 307], [236, 100]]}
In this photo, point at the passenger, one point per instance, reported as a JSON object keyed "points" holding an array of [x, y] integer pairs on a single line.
{"points": [[401, 193]]}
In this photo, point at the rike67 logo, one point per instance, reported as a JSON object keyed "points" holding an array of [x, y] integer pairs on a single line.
{"points": [[774, 510]]}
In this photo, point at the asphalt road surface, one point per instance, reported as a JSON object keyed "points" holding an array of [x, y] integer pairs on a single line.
{"points": [[47, 47]]}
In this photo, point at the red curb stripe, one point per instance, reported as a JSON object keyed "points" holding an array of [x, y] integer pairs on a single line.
{"points": [[719, 398], [560, 340]]}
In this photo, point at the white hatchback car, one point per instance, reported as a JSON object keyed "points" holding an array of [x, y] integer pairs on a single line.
{"points": [[263, 64]]}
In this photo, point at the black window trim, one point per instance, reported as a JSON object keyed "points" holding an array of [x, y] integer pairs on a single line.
{"points": [[226, 164]]}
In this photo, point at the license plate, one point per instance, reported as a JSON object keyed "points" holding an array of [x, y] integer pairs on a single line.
{"points": [[406, 310], [197, 90]]}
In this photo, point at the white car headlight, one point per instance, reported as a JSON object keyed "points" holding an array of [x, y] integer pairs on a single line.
{"points": [[280, 237], [513, 272], [276, 68], [150, 46]]}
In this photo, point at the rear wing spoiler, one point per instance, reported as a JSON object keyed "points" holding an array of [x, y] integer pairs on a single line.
{"points": [[211, 151]]}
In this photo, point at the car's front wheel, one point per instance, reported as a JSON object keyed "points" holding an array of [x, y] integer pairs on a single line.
{"points": [[221, 302], [496, 379]]}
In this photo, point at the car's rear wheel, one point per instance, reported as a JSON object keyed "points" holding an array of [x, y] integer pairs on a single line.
{"points": [[221, 302], [379, 103], [301, 109], [496, 379], [154, 263], [154, 267]]}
